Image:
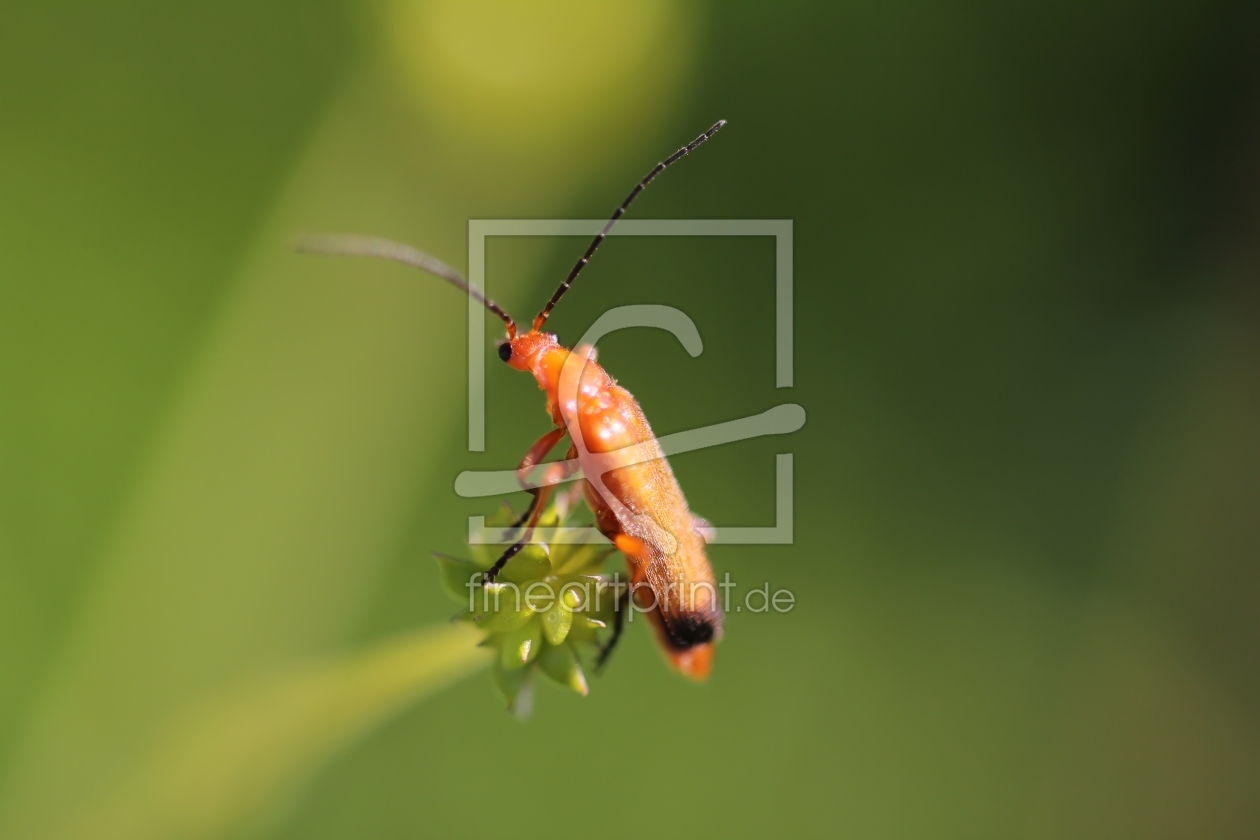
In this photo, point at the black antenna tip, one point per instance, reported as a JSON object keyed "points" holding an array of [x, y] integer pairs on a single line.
{"points": [[542, 316]]}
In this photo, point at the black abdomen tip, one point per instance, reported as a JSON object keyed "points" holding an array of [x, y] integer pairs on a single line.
{"points": [[691, 629]]}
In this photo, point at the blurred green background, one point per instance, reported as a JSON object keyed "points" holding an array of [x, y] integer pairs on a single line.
{"points": [[1027, 339]]}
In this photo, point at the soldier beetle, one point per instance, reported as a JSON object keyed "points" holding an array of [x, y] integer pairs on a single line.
{"points": [[637, 502]]}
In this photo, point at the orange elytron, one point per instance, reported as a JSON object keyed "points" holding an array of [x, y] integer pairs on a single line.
{"points": [[637, 502]]}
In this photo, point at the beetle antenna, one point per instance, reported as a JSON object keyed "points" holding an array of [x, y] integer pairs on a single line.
{"points": [[621, 211], [371, 246]]}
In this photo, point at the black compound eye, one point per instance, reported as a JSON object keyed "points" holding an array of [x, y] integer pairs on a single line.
{"points": [[505, 351]]}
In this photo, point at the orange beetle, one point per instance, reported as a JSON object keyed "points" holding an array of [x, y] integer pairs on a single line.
{"points": [[636, 500]]}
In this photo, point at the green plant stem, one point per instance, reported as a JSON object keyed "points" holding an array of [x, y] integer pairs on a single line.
{"points": [[233, 758]]}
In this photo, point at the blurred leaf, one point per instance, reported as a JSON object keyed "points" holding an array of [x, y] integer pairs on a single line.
{"points": [[456, 574], [226, 760]]}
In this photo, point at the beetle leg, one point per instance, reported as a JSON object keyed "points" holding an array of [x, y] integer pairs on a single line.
{"points": [[532, 458], [555, 473], [540, 496]]}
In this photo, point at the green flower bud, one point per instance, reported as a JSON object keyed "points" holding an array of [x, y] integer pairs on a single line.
{"points": [[546, 603], [517, 688], [520, 647], [530, 564], [556, 623], [562, 665]]}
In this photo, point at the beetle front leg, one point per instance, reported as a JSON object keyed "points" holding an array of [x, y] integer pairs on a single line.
{"points": [[555, 473], [533, 458]]}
